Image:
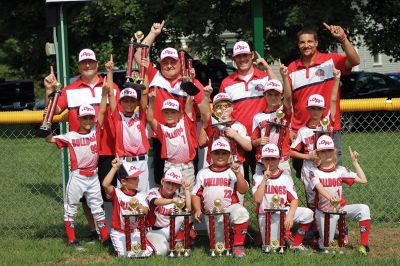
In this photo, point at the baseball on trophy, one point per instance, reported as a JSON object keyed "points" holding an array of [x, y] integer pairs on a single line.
{"points": [[217, 205], [180, 204], [134, 205], [276, 201]]}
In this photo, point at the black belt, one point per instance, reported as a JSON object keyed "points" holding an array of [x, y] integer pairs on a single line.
{"points": [[134, 159]]}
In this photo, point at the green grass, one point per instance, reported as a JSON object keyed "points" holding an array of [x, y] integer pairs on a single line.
{"points": [[31, 210]]}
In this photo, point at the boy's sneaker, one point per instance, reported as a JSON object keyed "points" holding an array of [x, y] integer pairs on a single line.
{"points": [[300, 248], [76, 245], [238, 252], [363, 250]]}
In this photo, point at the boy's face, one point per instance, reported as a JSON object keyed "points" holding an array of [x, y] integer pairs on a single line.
{"points": [[171, 116], [273, 98], [220, 158], [315, 112], [326, 156], [169, 188], [128, 104], [271, 162], [226, 108], [130, 183], [86, 122]]}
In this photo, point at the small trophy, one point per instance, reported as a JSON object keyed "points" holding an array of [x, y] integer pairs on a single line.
{"points": [[180, 204], [335, 204], [327, 225], [179, 247], [135, 249], [277, 244], [276, 200], [324, 124], [187, 81], [133, 205], [134, 79], [45, 128], [219, 247], [217, 206]]}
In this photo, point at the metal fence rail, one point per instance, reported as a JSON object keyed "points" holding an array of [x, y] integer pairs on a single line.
{"points": [[31, 187]]}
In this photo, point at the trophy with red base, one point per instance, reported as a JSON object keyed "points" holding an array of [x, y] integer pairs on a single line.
{"points": [[333, 246], [135, 79], [219, 248], [179, 248], [274, 245], [45, 128], [187, 79], [135, 249]]}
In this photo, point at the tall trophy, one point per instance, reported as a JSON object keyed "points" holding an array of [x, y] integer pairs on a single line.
{"points": [[187, 80], [135, 249], [274, 245], [45, 128], [179, 248], [135, 79], [219, 248], [329, 246]]}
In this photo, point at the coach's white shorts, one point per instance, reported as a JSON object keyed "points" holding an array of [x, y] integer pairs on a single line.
{"points": [[238, 215], [359, 212], [301, 216], [79, 186], [119, 243]]}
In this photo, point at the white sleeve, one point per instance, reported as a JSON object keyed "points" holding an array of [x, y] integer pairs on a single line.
{"points": [[141, 197], [152, 195], [297, 141], [257, 179], [199, 183], [314, 180]]}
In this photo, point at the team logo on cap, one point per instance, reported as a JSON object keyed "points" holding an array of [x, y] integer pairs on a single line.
{"points": [[270, 150], [240, 47], [316, 100], [325, 143], [86, 54], [220, 144], [222, 96], [173, 175]]}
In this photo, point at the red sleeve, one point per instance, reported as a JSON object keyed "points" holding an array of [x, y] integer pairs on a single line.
{"points": [[222, 86], [159, 132], [112, 195], [256, 133], [61, 143], [117, 91], [290, 197], [62, 102], [151, 72], [349, 181], [298, 147], [142, 116], [199, 96], [199, 192]]}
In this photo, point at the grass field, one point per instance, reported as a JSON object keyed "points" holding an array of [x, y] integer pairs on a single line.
{"points": [[31, 210]]}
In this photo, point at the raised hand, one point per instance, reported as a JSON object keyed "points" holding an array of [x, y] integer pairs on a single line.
{"points": [[336, 31], [50, 81], [264, 140], [267, 173], [156, 28], [261, 61], [283, 69], [208, 89], [353, 155], [235, 167], [116, 162], [185, 185], [109, 66], [336, 73], [152, 95]]}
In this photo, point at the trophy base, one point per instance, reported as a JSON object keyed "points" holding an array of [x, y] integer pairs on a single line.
{"points": [[143, 254], [43, 131], [189, 88]]}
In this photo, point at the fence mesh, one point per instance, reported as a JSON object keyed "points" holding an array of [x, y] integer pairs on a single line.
{"points": [[31, 169]]}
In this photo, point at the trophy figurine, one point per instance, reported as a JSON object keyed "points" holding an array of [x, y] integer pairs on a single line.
{"points": [[335, 204], [276, 201], [179, 248], [219, 248], [324, 123], [279, 115], [136, 247], [133, 205], [180, 204], [217, 206]]}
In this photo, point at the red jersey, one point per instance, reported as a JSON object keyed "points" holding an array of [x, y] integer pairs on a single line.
{"points": [[314, 79], [78, 93], [130, 133], [167, 90], [248, 97], [178, 141]]}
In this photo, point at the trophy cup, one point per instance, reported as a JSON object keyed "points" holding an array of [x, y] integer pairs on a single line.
{"points": [[220, 247], [341, 228], [274, 245], [324, 124], [187, 81], [135, 249], [45, 128], [325, 129], [179, 248]]}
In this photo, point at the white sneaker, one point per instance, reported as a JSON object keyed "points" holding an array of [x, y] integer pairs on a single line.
{"points": [[299, 248]]}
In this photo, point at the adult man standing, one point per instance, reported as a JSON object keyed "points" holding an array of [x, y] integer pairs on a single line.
{"points": [[312, 73], [87, 89], [167, 82], [246, 88]]}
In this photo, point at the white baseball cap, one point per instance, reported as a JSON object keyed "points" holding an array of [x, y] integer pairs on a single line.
{"points": [[220, 144], [173, 175], [87, 54], [128, 92], [169, 52], [241, 47], [170, 104], [86, 109], [222, 96], [270, 151], [273, 84], [316, 100], [127, 170], [325, 143]]}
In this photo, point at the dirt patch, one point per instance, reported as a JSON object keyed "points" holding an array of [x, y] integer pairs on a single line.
{"points": [[85, 259]]}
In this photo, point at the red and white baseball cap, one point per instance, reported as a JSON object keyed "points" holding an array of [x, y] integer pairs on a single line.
{"points": [[316, 100], [86, 109], [222, 96], [128, 92], [170, 104], [169, 52], [87, 54], [270, 151], [220, 144], [127, 170], [325, 143], [241, 47], [273, 84], [173, 175]]}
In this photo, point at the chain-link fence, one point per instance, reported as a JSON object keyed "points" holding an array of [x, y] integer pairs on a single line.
{"points": [[31, 186]]}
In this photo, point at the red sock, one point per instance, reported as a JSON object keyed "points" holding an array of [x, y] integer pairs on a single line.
{"points": [[301, 232], [239, 234], [69, 229], [365, 226], [102, 225]]}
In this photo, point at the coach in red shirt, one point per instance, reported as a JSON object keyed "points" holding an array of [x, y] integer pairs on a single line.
{"points": [[246, 88], [87, 89], [166, 82], [312, 73]]}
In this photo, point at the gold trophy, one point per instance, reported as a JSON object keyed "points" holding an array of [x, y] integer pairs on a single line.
{"points": [[179, 248], [276, 201], [218, 113], [217, 206], [180, 204], [324, 123], [136, 248], [219, 248], [279, 115], [134, 206], [335, 204], [275, 244]]}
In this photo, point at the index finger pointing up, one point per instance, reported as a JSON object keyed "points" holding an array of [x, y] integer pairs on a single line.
{"points": [[350, 150], [162, 23], [258, 55], [104, 81], [326, 26], [51, 70], [209, 82], [111, 58]]}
